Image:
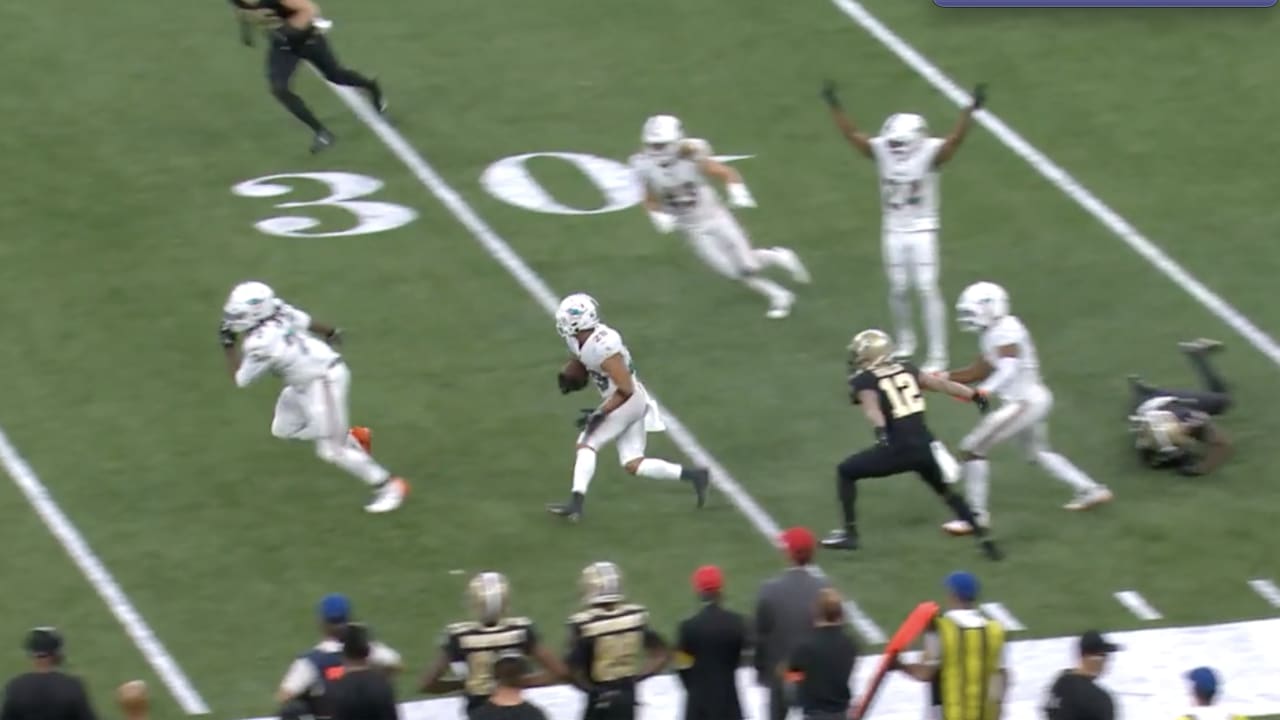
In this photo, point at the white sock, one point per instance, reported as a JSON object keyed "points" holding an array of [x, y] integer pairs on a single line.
{"points": [[1061, 468], [977, 473], [769, 257], [353, 460], [777, 294], [584, 468], [935, 322], [900, 310], [353, 443], [659, 469]]}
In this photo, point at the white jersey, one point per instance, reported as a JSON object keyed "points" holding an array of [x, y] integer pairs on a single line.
{"points": [[1009, 330], [282, 345], [680, 186], [604, 343], [908, 186]]}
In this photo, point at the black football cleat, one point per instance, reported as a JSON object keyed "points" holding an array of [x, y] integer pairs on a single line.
{"points": [[700, 478], [571, 511], [377, 98], [840, 540], [322, 141], [990, 550]]}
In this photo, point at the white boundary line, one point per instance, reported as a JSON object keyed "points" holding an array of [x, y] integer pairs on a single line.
{"points": [[101, 579], [498, 248], [1069, 186], [998, 612], [1266, 590], [1138, 605]]}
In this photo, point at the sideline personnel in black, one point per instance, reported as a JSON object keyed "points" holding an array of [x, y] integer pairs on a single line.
{"points": [[363, 692], [709, 649], [1075, 695], [45, 693], [507, 702], [890, 393], [822, 663], [784, 614], [295, 32]]}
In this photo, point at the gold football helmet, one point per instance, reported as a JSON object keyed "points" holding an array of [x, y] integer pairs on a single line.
{"points": [[601, 583], [487, 595], [868, 349]]}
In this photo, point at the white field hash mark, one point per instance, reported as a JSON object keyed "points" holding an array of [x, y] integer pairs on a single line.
{"points": [[1064, 182], [1267, 590], [500, 251], [1001, 614], [165, 667], [1138, 605]]}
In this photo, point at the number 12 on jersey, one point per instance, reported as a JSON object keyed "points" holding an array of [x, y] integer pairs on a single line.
{"points": [[903, 393]]}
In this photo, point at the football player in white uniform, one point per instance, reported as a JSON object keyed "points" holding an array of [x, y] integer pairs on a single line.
{"points": [[281, 339], [1009, 368], [676, 174], [626, 414], [907, 160]]}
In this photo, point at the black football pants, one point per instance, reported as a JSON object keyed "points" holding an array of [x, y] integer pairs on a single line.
{"points": [[1214, 399], [282, 63]]}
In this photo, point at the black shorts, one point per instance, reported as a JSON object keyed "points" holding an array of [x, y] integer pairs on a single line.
{"points": [[282, 60], [895, 459]]}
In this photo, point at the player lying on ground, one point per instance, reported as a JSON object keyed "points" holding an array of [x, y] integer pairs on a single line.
{"points": [[890, 395], [676, 173], [282, 339], [1008, 367], [1171, 428], [907, 160], [626, 415]]}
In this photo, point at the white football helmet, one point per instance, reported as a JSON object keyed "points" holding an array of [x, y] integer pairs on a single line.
{"points": [[981, 305], [249, 304], [576, 313], [905, 133], [661, 136]]}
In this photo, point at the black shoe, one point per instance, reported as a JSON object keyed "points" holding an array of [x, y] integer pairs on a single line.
{"points": [[701, 480], [840, 540], [377, 98], [571, 511], [323, 140], [990, 550], [1199, 345]]}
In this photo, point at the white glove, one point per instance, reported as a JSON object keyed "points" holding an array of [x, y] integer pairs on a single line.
{"points": [[322, 25], [663, 222], [740, 196]]}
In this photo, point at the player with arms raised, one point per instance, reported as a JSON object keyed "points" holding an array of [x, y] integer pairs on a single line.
{"points": [[890, 395], [281, 339], [627, 413], [1009, 367], [611, 645], [908, 160], [676, 173]]}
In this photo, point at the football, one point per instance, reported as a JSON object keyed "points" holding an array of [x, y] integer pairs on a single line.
{"points": [[573, 376]]}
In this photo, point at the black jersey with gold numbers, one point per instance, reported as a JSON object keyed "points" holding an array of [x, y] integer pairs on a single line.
{"points": [[609, 644], [477, 646], [901, 401]]}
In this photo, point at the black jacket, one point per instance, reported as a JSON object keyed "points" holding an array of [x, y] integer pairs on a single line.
{"points": [[711, 644]]}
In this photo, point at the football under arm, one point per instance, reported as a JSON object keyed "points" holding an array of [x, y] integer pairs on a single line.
{"points": [[953, 141]]}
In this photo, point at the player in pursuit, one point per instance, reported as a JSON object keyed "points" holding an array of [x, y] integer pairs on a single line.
{"points": [[282, 339], [625, 416], [1009, 368], [908, 160], [676, 173]]}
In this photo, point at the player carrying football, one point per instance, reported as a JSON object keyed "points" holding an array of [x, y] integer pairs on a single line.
{"points": [[1172, 428], [627, 413], [676, 173], [907, 160], [1009, 368], [282, 339], [890, 394]]}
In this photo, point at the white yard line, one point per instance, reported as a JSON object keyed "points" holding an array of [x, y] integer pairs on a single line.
{"points": [[100, 578], [1001, 614], [502, 252], [1063, 181], [1138, 605], [1267, 590]]}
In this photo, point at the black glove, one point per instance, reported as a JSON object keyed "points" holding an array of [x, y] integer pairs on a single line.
{"points": [[589, 419], [882, 437], [334, 337], [982, 402], [226, 336], [979, 96], [566, 385], [829, 95]]}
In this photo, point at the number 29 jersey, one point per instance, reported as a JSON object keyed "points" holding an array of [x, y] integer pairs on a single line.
{"points": [[897, 386]]}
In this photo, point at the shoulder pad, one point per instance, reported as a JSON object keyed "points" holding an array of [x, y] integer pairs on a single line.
{"points": [[518, 621], [460, 627], [695, 149], [582, 616], [637, 161], [631, 607], [608, 342], [262, 339]]}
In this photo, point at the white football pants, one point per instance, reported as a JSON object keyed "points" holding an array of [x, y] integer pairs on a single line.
{"points": [[318, 412], [628, 426], [720, 242], [911, 261]]}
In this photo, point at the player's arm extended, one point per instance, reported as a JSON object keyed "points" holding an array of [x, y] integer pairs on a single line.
{"points": [[953, 141], [949, 387], [615, 366], [1217, 449], [978, 371], [732, 179], [1005, 369], [433, 680]]}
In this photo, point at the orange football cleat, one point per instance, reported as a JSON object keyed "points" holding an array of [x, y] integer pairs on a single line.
{"points": [[363, 436]]}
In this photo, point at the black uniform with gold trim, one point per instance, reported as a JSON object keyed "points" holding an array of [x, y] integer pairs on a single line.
{"points": [[609, 646], [478, 646], [287, 46]]}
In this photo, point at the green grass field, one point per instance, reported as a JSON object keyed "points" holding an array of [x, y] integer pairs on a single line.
{"points": [[122, 236]]}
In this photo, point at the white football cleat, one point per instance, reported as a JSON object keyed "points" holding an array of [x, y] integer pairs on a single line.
{"points": [[933, 366], [781, 307], [1089, 498], [389, 496], [793, 265], [959, 527]]}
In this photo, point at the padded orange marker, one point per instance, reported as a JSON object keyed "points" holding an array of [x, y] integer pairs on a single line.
{"points": [[910, 629]]}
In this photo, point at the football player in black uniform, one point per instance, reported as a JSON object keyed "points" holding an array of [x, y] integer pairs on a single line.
{"points": [[1172, 428], [611, 646], [890, 393], [476, 645], [295, 32]]}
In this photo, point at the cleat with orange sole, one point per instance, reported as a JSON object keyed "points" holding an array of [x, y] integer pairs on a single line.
{"points": [[363, 436]]}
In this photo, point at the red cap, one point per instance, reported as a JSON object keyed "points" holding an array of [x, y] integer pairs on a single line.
{"points": [[799, 543], [708, 578]]}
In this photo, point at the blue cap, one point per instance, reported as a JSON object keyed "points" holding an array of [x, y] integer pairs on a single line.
{"points": [[963, 585], [335, 608], [1204, 681]]}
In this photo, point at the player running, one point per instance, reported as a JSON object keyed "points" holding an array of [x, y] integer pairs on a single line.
{"points": [[1008, 367], [282, 339], [890, 395], [907, 160], [676, 173], [626, 415], [1172, 428]]}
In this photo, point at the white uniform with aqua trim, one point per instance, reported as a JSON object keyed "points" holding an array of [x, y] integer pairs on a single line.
{"points": [[637, 416]]}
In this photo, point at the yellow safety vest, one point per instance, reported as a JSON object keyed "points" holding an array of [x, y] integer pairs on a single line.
{"points": [[969, 660]]}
